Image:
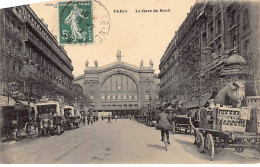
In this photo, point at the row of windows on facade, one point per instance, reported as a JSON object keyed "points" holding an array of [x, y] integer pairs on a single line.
{"points": [[216, 14], [120, 106], [17, 72], [123, 97], [14, 26], [37, 59], [43, 63], [23, 13], [216, 45], [36, 54], [118, 97]]}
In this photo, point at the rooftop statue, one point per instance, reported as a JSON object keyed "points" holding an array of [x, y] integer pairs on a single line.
{"points": [[142, 63], [118, 55], [151, 63]]}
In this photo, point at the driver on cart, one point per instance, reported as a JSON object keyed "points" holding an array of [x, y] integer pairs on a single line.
{"points": [[226, 97]]}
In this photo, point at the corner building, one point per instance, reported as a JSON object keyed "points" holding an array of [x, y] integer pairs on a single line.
{"points": [[33, 64], [119, 87], [217, 44]]}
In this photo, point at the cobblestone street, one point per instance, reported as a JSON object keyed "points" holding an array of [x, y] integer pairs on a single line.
{"points": [[123, 141]]}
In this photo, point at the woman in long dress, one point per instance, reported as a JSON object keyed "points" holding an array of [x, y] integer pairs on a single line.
{"points": [[73, 19]]}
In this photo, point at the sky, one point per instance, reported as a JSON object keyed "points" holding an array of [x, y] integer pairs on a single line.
{"points": [[143, 35]]}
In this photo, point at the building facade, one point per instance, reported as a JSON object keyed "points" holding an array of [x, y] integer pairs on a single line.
{"points": [[32, 63], [119, 87], [216, 44]]}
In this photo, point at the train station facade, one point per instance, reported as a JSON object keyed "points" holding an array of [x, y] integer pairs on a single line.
{"points": [[119, 87]]}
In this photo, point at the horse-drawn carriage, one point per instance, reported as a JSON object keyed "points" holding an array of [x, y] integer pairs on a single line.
{"points": [[181, 119], [18, 122], [226, 127]]}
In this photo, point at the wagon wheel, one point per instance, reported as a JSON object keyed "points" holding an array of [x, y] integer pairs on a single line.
{"points": [[239, 149], [210, 146], [200, 142]]}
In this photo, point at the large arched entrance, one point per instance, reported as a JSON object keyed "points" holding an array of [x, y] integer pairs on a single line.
{"points": [[119, 95]]}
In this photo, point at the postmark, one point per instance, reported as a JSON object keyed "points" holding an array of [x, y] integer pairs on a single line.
{"points": [[75, 22], [101, 22], [83, 22]]}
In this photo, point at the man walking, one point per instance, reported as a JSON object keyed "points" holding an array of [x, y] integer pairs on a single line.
{"points": [[88, 119], [109, 119]]}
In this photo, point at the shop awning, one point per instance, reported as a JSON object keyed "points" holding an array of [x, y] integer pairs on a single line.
{"points": [[195, 102], [20, 104]]}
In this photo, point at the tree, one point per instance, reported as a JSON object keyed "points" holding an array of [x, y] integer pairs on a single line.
{"points": [[79, 98]]}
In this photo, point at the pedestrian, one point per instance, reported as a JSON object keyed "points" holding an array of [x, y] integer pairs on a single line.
{"points": [[84, 120], [164, 124], [88, 118], [91, 119], [102, 118], [116, 118], [109, 119]]}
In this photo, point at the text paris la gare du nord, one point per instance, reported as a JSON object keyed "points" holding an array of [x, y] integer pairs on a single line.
{"points": [[142, 10]]}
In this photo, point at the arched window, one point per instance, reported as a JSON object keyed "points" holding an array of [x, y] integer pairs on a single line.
{"points": [[119, 87]]}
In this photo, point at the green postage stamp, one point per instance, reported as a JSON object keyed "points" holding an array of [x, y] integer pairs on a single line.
{"points": [[76, 22]]}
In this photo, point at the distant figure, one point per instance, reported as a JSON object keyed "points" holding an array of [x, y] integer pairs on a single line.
{"points": [[109, 119], [88, 119], [102, 118], [116, 118], [92, 119], [84, 120]]}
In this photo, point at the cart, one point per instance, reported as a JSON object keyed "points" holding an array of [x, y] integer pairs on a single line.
{"points": [[51, 116], [72, 117], [8, 123], [225, 133], [182, 124], [18, 123]]}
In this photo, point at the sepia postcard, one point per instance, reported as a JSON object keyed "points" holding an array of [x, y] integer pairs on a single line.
{"points": [[130, 82]]}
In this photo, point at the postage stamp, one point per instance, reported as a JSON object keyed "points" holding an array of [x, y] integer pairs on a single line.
{"points": [[76, 22]]}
